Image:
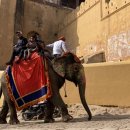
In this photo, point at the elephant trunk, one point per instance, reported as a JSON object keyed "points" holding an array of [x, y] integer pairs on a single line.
{"points": [[0, 91], [82, 86]]}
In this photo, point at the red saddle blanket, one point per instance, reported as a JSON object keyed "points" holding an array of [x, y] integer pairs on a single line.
{"points": [[28, 81]]}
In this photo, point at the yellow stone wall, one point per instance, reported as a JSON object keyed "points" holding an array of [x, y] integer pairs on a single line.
{"points": [[107, 84], [98, 26]]}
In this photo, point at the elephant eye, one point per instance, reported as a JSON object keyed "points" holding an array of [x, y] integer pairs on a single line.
{"points": [[76, 68]]}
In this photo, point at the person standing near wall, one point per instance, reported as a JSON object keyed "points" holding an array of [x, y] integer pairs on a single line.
{"points": [[59, 47]]}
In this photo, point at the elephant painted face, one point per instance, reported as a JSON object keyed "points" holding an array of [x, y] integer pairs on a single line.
{"points": [[70, 67], [74, 72]]}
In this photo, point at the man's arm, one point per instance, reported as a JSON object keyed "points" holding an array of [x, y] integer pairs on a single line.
{"points": [[64, 47], [25, 40], [50, 45]]}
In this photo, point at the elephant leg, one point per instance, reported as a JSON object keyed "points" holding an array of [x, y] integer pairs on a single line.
{"points": [[9, 104], [13, 114], [49, 109], [4, 112], [57, 100]]}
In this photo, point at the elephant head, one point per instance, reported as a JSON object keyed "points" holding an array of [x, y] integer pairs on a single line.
{"points": [[70, 67]]}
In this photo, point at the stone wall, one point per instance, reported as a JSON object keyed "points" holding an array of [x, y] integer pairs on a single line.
{"points": [[43, 19], [27, 15], [7, 16], [95, 26], [99, 26], [107, 84]]}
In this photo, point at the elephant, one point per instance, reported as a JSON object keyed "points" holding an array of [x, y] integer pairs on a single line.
{"points": [[66, 67]]}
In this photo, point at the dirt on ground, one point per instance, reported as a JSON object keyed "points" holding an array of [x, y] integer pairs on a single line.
{"points": [[104, 118]]}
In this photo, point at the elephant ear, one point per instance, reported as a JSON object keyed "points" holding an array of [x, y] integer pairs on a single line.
{"points": [[59, 66], [61, 63]]}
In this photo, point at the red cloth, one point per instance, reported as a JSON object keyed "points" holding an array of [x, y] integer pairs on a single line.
{"points": [[29, 78], [29, 74]]}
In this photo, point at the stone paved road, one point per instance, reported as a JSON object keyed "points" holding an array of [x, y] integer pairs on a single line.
{"points": [[104, 118]]}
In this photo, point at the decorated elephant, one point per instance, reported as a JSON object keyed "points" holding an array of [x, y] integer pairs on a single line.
{"points": [[67, 67]]}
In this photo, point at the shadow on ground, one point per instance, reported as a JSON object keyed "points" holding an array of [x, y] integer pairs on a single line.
{"points": [[104, 117]]}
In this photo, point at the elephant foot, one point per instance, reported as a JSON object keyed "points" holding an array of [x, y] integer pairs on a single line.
{"points": [[3, 121], [67, 118], [49, 120], [89, 118], [14, 121]]}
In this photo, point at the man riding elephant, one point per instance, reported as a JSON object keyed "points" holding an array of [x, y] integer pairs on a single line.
{"points": [[59, 47]]}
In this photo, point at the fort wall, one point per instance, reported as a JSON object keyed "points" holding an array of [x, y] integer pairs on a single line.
{"points": [[7, 16], [99, 26]]}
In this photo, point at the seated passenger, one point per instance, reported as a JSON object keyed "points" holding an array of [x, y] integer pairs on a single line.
{"points": [[19, 48], [33, 45]]}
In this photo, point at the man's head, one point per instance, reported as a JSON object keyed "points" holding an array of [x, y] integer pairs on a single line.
{"points": [[19, 34], [32, 38], [62, 38]]}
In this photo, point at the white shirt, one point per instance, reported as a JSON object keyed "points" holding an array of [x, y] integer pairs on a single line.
{"points": [[58, 47]]}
